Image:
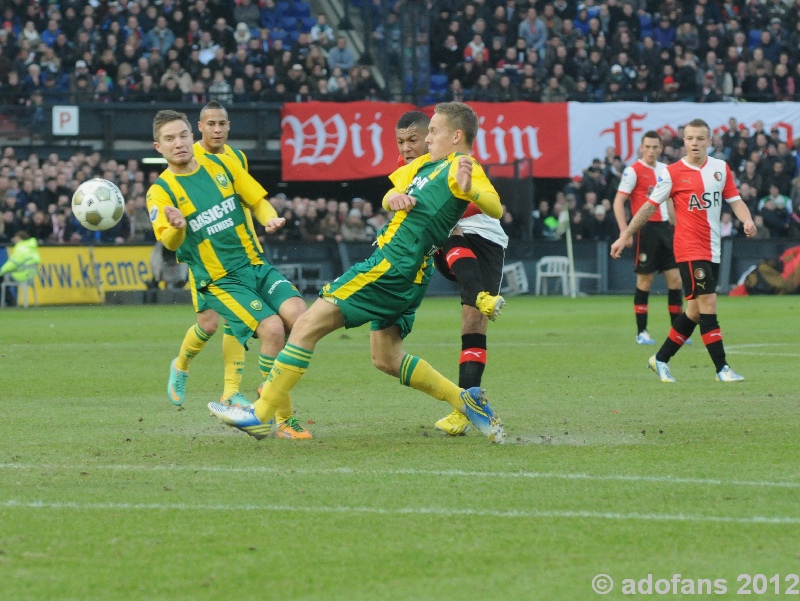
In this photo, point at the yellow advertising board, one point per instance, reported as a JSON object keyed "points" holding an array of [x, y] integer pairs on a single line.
{"points": [[71, 275]]}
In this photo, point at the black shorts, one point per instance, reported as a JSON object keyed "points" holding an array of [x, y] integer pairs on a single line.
{"points": [[654, 248], [491, 257], [699, 278]]}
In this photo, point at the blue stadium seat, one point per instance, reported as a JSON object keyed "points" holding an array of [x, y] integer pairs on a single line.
{"points": [[293, 35], [302, 9], [646, 21], [289, 24], [284, 8], [279, 34], [439, 83], [306, 23], [753, 38], [270, 18]]}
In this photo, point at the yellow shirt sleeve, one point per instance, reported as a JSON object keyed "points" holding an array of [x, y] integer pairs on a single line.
{"points": [[482, 193], [263, 211], [246, 186], [250, 191], [157, 199]]}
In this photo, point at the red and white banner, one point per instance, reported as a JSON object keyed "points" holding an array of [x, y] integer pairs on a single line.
{"points": [[334, 142], [339, 141], [356, 140], [595, 127]]}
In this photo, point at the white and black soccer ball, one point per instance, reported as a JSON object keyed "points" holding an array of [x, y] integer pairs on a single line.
{"points": [[98, 204]]}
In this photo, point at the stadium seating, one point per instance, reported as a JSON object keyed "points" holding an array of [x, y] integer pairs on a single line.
{"points": [[753, 38], [302, 9], [438, 87], [306, 23], [289, 23], [279, 34], [284, 8]]}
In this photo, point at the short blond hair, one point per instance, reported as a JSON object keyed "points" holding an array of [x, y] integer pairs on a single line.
{"points": [[460, 116], [698, 123]]}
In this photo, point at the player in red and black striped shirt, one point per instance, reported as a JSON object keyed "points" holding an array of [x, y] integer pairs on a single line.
{"points": [[653, 243], [698, 185]]}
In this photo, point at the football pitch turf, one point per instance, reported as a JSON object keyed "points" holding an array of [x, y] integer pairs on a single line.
{"points": [[111, 493]]}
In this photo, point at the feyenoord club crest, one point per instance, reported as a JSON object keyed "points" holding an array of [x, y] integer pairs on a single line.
{"points": [[699, 273], [718, 176], [642, 257]]}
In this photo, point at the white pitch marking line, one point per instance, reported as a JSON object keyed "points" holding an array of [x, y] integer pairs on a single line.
{"points": [[410, 472], [756, 354], [744, 349], [532, 514], [761, 344]]}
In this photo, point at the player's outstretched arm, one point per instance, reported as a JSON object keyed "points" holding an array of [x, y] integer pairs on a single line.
{"points": [[267, 216], [174, 234], [397, 201], [619, 212], [263, 211], [476, 187], [742, 213], [637, 223]]}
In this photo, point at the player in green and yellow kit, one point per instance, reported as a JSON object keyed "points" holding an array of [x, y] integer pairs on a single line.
{"points": [[386, 289], [197, 207], [214, 127]]}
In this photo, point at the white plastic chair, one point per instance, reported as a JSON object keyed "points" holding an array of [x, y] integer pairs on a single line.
{"points": [[515, 280], [22, 287], [552, 267]]}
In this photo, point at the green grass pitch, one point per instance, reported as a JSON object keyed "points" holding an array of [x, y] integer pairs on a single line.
{"points": [[110, 493]]}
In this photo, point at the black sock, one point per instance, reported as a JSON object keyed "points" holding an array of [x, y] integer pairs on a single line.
{"points": [[473, 360], [640, 299], [712, 338], [674, 303], [680, 332]]}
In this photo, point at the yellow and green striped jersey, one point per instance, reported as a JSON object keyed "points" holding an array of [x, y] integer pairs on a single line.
{"points": [[235, 153], [410, 238], [228, 151], [219, 237]]}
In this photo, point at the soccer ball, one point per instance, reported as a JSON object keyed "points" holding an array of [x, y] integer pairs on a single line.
{"points": [[98, 204]]}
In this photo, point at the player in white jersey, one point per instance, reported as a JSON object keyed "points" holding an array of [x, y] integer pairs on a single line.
{"points": [[698, 185], [473, 257], [653, 243]]}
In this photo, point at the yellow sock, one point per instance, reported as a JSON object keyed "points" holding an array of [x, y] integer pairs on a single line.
{"points": [[418, 374], [233, 361], [290, 365], [193, 343], [265, 364]]}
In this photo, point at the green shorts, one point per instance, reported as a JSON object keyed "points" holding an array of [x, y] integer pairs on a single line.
{"points": [[374, 291], [247, 296], [198, 299]]}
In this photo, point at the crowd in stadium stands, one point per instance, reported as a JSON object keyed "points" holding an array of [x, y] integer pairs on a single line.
{"points": [[36, 197], [482, 50], [612, 50], [36, 193], [173, 51], [485, 50], [767, 174]]}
